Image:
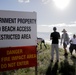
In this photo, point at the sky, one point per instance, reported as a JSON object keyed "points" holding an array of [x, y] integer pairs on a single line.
{"points": [[48, 13]]}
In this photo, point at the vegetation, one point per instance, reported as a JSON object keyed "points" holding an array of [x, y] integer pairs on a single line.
{"points": [[66, 66]]}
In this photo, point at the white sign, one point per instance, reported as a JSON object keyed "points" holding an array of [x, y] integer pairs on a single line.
{"points": [[17, 28]]}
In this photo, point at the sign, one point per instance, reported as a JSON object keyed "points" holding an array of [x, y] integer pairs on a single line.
{"points": [[17, 28], [17, 57], [18, 40]]}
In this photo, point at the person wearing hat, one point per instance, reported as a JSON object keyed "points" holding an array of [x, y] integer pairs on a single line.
{"points": [[55, 36], [65, 40]]}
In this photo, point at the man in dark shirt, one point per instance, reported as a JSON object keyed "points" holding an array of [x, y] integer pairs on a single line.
{"points": [[55, 36]]}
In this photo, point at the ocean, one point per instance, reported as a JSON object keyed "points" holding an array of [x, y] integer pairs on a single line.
{"points": [[46, 37], [45, 31]]}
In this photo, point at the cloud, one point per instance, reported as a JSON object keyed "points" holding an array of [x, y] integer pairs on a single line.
{"points": [[45, 1], [26, 1], [48, 28], [74, 22], [61, 25]]}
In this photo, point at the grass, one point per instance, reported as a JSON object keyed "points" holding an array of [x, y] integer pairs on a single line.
{"points": [[64, 67]]}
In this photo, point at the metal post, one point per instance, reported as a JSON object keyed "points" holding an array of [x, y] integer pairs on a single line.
{"points": [[75, 67], [35, 70]]}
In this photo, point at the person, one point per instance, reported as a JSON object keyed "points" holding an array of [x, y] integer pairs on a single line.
{"points": [[65, 39], [72, 44], [55, 36], [41, 41]]}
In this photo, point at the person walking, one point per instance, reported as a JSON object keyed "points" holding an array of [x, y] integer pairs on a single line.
{"points": [[72, 44], [55, 36], [65, 40]]}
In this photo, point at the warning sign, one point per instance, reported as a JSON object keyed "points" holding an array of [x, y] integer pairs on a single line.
{"points": [[17, 57], [18, 35]]}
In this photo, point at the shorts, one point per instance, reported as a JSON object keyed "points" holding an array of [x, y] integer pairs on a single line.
{"points": [[72, 47], [65, 44]]}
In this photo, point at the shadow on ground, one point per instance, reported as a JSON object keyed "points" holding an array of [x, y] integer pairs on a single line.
{"points": [[62, 68]]}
